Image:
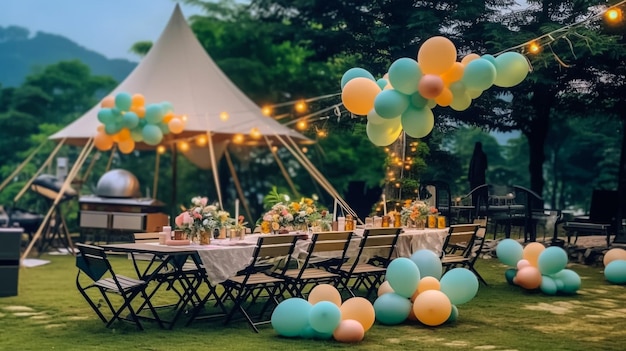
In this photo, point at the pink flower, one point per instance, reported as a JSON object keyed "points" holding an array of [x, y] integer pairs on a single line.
{"points": [[187, 219], [204, 201], [179, 220]]}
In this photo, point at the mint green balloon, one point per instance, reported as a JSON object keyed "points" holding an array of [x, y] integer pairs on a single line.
{"points": [[417, 123], [152, 134], [390, 103], [615, 272], [404, 75], [418, 101], [460, 285], [512, 68], [382, 83], [403, 276], [509, 252], [479, 74], [354, 73], [548, 285], [552, 260], [391, 308], [123, 101], [291, 317]]}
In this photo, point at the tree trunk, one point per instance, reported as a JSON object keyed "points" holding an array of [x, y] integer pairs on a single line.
{"points": [[536, 134], [620, 236]]}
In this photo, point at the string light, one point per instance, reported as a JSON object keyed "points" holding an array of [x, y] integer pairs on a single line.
{"points": [[238, 138], [161, 149], [266, 110], [302, 125], [534, 48], [183, 146], [613, 15], [224, 116], [201, 140], [255, 133], [301, 106]]}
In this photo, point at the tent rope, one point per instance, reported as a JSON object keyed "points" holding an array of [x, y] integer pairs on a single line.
{"points": [[283, 170], [22, 165], [44, 165]]}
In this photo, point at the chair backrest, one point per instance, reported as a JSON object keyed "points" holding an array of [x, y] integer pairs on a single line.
{"points": [[479, 238], [460, 236], [92, 261], [324, 242], [382, 239], [271, 252]]}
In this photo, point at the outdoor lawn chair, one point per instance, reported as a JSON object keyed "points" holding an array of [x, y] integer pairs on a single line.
{"points": [[255, 282], [92, 262], [325, 255], [369, 273], [460, 241]]}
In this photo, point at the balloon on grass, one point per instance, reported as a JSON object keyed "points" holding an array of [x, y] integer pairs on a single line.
{"points": [[528, 277], [428, 263], [552, 260], [392, 308], [403, 276], [324, 317], [324, 292], [432, 307], [509, 252], [569, 280], [615, 271], [349, 331], [532, 251], [613, 254], [291, 317], [359, 309], [460, 285]]}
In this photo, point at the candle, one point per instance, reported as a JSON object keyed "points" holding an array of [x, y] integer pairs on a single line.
{"points": [[237, 211], [335, 211], [384, 205]]}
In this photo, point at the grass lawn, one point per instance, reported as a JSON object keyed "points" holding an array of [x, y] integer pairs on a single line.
{"points": [[49, 313]]}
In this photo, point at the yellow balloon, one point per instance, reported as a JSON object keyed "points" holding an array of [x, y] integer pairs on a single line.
{"points": [[358, 95], [532, 251], [324, 292], [614, 254], [436, 55], [360, 309]]}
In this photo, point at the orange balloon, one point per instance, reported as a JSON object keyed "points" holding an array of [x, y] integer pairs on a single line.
{"points": [[532, 251], [103, 141], [614, 254], [138, 100], [436, 55], [469, 58], [360, 309], [123, 134], [444, 98], [176, 125], [108, 102], [430, 86], [126, 146], [428, 283], [168, 117], [454, 74], [324, 292], [358, 95], [432, 307], [140, 111]]}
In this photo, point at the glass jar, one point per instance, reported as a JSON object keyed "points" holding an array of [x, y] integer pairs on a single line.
{"points": [[349, 226], [385, 221]]}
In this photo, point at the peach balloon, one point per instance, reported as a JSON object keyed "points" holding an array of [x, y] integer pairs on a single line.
{"points": [[523, 263], [454, 74], [432, 307], [430, 86], [358, 95], [103, 141], [137, 100], [444, 98], [412, 316], [469, 58], [436, 55], [384, 288], [349, 331], [614, 254], [324, 292], [528, 278], [176, 125], [532, 251], [108, 102], [359, 309], [126, 146], [428, 283]]}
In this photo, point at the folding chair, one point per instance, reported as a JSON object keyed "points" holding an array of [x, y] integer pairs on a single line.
{"points": [[92, 261], [325, 255], [463, 246], [370, 274], [254, 281], [178, 272]]}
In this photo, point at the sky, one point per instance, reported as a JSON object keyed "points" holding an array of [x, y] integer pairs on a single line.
{"points": [[109, 27]]}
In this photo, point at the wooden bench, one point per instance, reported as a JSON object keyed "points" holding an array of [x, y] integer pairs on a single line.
{"points": [[577, 229]]}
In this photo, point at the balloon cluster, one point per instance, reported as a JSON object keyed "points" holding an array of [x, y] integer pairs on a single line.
{"points": [[126, 120], [415, 289], [615, 266], [324, 316], [538, 267], [404, 97]]}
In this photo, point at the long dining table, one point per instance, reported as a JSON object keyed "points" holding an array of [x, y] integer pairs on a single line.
{"points": [[223, 258]]}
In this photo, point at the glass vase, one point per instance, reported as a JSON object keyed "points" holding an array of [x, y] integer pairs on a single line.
{"points": [[205, 238]]}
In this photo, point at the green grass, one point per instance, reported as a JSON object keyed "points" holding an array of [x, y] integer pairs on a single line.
{"points": [[49, 313]]}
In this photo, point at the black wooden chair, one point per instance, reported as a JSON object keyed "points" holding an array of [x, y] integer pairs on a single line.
{"points": [[601, 218], [117, 291], [463, 246], [437, 194]]}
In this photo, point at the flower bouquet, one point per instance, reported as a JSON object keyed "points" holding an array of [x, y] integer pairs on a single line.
{"points": [[414, 213], [201, 219]]}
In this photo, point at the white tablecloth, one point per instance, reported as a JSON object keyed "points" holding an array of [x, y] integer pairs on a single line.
{"points": [[411, 240]]}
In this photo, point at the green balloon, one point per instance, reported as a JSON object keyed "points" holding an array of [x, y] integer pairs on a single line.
{"points": [[418, 101], [152, 134], [615, 272], [105, 116], [390, 103], [404, 75], [512, 68], [460, 285], [354, 73], [509, 252], [123, 101], [417, 123], [130, 120], [479, 74]]}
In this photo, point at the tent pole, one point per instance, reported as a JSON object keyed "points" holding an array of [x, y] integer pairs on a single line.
{"points": [[174, 174], [237, 185], [216, 178], [156, 175], [77, 165], [110, 161], [44, 165], [22, 165], [283, 170]]}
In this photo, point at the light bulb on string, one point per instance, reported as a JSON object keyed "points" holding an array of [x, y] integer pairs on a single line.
{"points": [[534, 48], [613, 15], [201, 140], [224, 116], [161, 149], [238, 139], [305, 149], [255, 133], [300, 106], [183, 146], [302, 125], [266, 110]]}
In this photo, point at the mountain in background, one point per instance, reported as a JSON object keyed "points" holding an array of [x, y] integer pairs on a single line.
{"points": [[22, 55]]}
